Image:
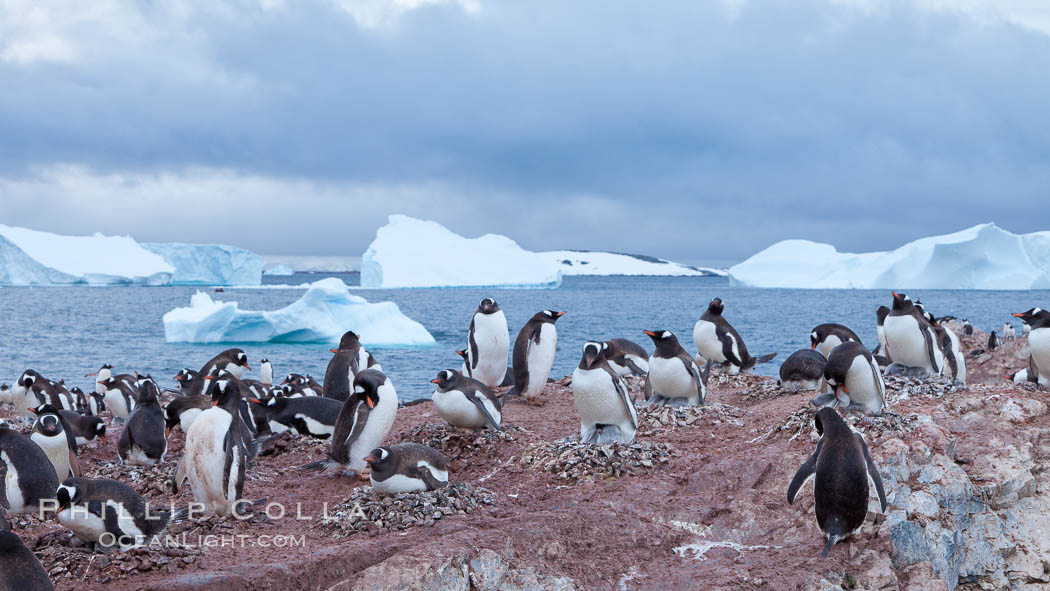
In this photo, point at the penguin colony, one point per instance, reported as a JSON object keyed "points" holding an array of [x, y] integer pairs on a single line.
{"points": [[224, 416]]}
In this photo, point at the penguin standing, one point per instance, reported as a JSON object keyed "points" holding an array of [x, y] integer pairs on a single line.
{"points": [[143, 441], [717, 341], [364, 421], [1008, 331], [854, 376], [967, 327], [674, 377], [89, 508], [30, 477], [607, 414], [910, 338], [626, 357], [261, 387], [534, 351], [23, 397], [488, 343], [217, 449], [993, 341], [54, 436], [347, 361], [880, 331], [954, 365], [508, 376], [466, 402], [803, 370], [407, 467], [233, 360], [1038, 320], [119, 397], [826, 337], [841, 468], [20, 570], [185, 378]]}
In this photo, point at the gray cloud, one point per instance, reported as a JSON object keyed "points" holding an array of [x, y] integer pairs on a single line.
{"points": [[696, 131]]}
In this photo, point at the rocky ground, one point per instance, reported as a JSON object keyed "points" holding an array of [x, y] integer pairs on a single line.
{"points": [[698, 502]]}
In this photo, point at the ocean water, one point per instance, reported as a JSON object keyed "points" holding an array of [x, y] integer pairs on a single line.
{"points": [[66, 332]]}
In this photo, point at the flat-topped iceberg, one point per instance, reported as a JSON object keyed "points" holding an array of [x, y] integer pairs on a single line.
{"points": [[321, 315], [585, 262], [209, 264], [982, 257], [279, 271], [32, 257], [408, 252]]}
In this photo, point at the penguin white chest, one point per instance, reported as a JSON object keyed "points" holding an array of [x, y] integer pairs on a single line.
{"points": [[56, 447], [705, 337], [206, 457], [1039, 345], [117, 404], [670, 378], [828, 345], [187, 417], [380, 419], [14, 493], [541, 359], [87, 526], [493, 343], [864, 385], [906, 342], [596, 397], [458, 411]]}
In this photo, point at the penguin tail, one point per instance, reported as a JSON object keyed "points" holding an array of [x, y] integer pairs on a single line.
{"points": [[832, 539], [763, 359], [317, 466], [179, 515]]}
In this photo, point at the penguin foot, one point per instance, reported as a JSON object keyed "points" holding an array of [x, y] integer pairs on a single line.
{"points": [[607, 434], [917, 372]]}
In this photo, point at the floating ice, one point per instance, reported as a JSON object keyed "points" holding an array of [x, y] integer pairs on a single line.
{"points": [[579, 262], [279, 270], [321, 315], [982, 257], [209, 264]]}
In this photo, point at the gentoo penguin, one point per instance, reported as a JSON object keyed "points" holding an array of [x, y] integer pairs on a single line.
{"points": [[1025, 329], [626, 357], [30, 476], [674, 377], [143, 441], [58, 442], [717, 341], [216, 451], [826, 337], [1021, 376], [954, 365], [261, 388], [880, 331], [183, 410], [1008, 331], [488, 343], [232, 360], [185, 378], [910, 338], [90, 508], [841, 468], [364, 421], [20, 570], [347, 361], [302, 385], [803, 370], [466, 402], [534, 353], [84, 427], [854, 376], [407, 467], [508, 376], [967, 327], [993, 341], [119, 397], [1038, 320], [28, 392], [607, 413], [314, 416]]}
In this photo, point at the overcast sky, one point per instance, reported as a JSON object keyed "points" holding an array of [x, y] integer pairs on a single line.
{"points": [[698, 131]]}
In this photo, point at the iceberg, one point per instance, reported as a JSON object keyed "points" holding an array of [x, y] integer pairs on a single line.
{"points": [[982, 257], [321, 315], [32, 257], [209, 264], [279, 270], [408, 252], [314, 264], [585, 262]]}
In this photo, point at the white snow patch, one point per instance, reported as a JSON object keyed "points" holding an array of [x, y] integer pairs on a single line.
{"points": [[982, 257], [314, 264], [209, 264], [699, 548], [322, 314], [573, 262]]}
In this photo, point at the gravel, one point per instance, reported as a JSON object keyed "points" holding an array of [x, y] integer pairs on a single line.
{"points": [[574, 462], [368, 511]]}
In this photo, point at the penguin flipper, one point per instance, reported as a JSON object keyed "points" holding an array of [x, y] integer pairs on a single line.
{"points": [[180, 475], [473, 345], [873, 472], [347, 430], [625, 397], [428, 478], [648, 388], [638, 371], [698, 381], [879, 384], [74, 465], [931, 347], [472, 396], [728, 339], [6, 504], [807, 470]]}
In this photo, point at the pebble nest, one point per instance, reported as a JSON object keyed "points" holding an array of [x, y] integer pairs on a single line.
{"points": [[573, 461], [801, 421], [655, 419], [902, 388], [461, 443], [149, 481], [740, 380], [366, 510], [66, 557]]}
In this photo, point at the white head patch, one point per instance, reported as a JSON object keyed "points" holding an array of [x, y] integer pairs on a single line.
{"points": [[383, 453], [666, 334]]}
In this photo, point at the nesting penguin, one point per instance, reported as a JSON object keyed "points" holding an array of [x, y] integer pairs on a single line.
{"points": [[20, 570], [626, 357], [29, 474], [55, 437], [466, 402], [534, 351], [857, 383], [826, 337], [313, 416], [143, 442], [674, 377], [488, 343], [90, 508], [1038, 321], [347, 361], [841, 469], [803, 370], [716, 340], [607, 413], [910, 338], [407, 467], [363, 423], [85, 428]]}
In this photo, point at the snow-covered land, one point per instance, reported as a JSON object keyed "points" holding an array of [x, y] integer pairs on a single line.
{"points": [[577, 262], [279, 270], [321, 315], [408, 252], [982, 257], [209, 264], [32, 257]]}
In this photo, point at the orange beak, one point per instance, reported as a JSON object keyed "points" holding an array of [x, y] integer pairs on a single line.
{"points": [[1018, 314], [255, 400], [32, 410], [101, 383], [167, 432], [247, 367], [650, 333], [559, 314], [334, 350], [813, 347], [894, 293], [215, 403], [106, 442], [370, 403], [435, 381], [369, 460]]}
